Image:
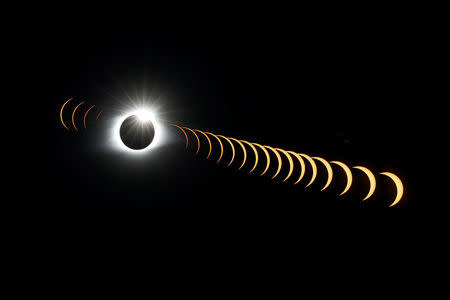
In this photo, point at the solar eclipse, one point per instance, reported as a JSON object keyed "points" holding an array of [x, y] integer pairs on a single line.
{"points": [[326, 83], [137, 132], [140, 130]]}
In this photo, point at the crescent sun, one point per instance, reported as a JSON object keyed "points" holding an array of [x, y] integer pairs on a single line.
{"points": [[372, 181], [61, 111], [291, 163], [313, 166], [302, 165], [256, 155], [243, 149], [329, 171], [220, 143], [232, 148], [280, 162], [267, 157], [196, 136], [98, 115], [398, 184], [348, 173], [73, 115], [84, 119], [209, 142], [184, 132]]}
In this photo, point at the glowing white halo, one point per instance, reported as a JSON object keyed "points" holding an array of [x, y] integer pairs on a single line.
{"points": [[142, 114], [145, 115]]}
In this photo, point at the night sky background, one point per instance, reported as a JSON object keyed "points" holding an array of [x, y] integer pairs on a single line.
{"points": [[359, 85]]}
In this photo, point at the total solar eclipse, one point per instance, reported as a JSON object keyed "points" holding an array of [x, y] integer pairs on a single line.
{"points": [[137, 133]]}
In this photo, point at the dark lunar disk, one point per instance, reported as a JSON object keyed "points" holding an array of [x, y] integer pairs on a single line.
{"points": [[136, 133]]}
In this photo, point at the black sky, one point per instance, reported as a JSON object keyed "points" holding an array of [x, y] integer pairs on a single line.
{"points": [[350, 84]]}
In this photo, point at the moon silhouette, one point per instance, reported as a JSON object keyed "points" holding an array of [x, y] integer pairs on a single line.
{"points": [[372, 180], [348, 173], [136, 133], [329, 171], [398, 184]]}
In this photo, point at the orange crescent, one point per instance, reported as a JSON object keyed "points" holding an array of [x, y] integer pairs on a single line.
{"points": [[313, 166], [348, 173], [61, 111], [372, 180], [99, 115], [256, 155], [232, 148], [84, 119], [73, 115], [184, 132], [291, 163], [209, 142], [398, 184], [329, 171], [196, 136], [267, 158], [302, 164], [243, 149], [220, 143], [279, 160]]}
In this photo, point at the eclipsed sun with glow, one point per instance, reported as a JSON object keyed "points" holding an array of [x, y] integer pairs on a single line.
{"points": [[137, 131]]}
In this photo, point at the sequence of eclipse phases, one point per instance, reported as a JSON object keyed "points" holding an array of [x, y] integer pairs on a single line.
{"points": [[140, 130]]}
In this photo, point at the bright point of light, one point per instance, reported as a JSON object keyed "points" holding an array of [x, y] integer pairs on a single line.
{"points": [[144, 114]]}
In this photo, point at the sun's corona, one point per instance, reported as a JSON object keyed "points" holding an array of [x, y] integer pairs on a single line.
{"points": [[137, 131]]}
